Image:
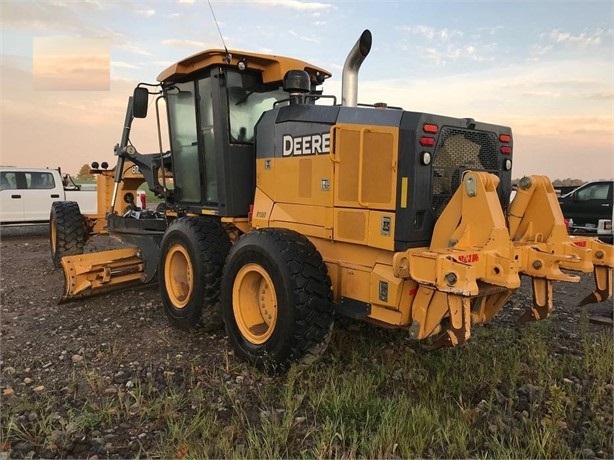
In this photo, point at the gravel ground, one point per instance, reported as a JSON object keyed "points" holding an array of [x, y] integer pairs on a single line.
{"points": [[121, 334]]}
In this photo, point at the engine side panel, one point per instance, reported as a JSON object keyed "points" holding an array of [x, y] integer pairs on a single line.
{"points": [[365, 168]]}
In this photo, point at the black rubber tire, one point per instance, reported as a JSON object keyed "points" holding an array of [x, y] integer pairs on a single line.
{"points": [[67, 230], [205, 244], [302, 294]]}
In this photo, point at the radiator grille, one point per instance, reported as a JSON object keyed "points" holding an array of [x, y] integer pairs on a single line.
{"points": [[457, 151]]}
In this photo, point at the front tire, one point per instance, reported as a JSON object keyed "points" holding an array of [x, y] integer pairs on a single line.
{"points": [[192, 256], [277, 299], [67, 230]]}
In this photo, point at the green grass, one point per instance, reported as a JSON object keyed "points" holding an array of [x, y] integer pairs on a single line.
{"points": [[508, 393]]}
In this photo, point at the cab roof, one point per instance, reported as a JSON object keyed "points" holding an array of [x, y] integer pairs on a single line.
{"points": [[273, 67]]}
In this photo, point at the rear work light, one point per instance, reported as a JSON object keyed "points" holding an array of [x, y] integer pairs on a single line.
{"points": [[427, 141], [505, 138]]}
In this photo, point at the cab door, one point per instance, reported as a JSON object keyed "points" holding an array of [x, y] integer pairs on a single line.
{"points": [[181, 102]]}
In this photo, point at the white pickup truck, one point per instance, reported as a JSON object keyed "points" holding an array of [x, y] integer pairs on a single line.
{"points": [[26, 194]]}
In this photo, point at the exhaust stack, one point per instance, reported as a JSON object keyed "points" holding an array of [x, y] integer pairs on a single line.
{"points": [[349, 82]]}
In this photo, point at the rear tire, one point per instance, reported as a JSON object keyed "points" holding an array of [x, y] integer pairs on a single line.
{"points": [[192, 257], [67, 230], [277, 299]]}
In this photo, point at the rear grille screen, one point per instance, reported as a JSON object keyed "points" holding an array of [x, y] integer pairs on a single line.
{"points": [[457, 151]]}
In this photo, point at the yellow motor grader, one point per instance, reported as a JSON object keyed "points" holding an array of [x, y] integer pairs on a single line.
{"points": [[287, 208]]}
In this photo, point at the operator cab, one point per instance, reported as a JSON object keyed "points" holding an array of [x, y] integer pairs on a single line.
{"points": [[214, 100]]}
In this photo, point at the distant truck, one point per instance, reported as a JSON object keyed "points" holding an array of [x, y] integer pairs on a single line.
{"points": [[26, 194], [562, 190], [590, 209]]}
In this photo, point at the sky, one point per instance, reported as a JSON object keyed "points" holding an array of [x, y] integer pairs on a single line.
{"points": [[544, 68]]}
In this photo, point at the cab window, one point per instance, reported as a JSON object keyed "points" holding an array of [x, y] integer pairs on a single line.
{"points": [[593, 192], [8, 180], [247, 99], [184, 142], [40, 180]]}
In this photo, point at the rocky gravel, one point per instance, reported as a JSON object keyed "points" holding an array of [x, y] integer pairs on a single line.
{"points": [[123, 337]]}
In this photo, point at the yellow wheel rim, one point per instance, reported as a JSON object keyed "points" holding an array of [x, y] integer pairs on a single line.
{"points": [[178, 276], [54, 237], [254, 303]]}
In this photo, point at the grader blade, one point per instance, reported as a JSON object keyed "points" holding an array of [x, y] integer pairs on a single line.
{"points": [[543, 247], [99, 272]]}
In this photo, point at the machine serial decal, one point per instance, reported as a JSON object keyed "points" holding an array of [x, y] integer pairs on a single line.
{"points": [[468, 258], [312, 144]]}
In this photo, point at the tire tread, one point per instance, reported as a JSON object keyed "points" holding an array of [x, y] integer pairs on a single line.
{"points": [[213, 243], [70, 229], [314, 313]]}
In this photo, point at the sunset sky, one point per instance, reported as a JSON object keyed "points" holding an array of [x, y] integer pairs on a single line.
{"points": [[545, 68]]}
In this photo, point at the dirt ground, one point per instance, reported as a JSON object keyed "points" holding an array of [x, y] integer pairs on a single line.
{"points": [[120, 334]]}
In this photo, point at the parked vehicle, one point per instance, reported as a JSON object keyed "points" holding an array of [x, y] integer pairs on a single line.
{"points": [[26, 194], [589, 208], [562, 190]]}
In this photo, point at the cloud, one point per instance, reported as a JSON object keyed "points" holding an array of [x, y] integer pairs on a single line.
{"points": [[303, 37], [431, 33], [542, 81], [163, 64], [441, 46], [148, 13], [562, 125], [124, 65], [537, 51], [93, 3], [42, 17], [557, 40], [541, 94], [582, 40], [481, 31], [131, 48], [442, 55], [180, 43], [295, 5], [603, 96]]}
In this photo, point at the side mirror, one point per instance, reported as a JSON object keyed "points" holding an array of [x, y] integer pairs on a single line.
{"points": [[140, 101]]}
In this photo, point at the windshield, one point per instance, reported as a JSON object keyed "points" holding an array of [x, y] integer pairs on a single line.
{"points": [[248, 98]]}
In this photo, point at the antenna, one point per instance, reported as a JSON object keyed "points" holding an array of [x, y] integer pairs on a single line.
{"points": [[228, 55]]}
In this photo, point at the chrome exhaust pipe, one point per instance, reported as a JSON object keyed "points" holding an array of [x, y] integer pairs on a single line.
{"points": [[349, 82]]}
